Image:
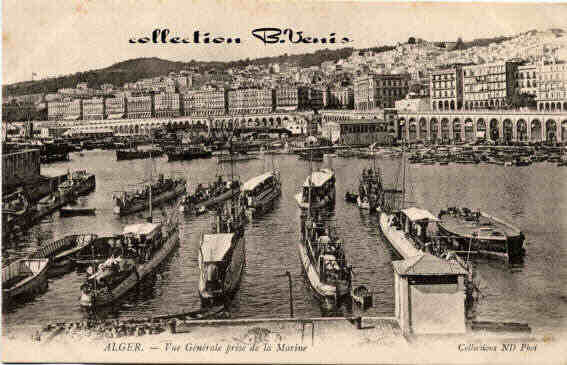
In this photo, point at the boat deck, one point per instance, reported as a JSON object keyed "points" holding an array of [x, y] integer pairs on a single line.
{"points": [[486, 227]]}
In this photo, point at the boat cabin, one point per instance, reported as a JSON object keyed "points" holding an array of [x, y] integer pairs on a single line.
{"points": [[142, 239], [322, 184], [327, 250], [215, 255], [254, 188], [415, 223]]}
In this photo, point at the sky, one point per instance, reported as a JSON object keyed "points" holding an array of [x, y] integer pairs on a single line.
{"points": [[59, 37]]}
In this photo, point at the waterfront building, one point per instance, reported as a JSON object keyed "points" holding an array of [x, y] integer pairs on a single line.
{"points": [[446, 89], [65, 109], [286, 98], [413, 103], [379, 90], [249, 101], [20, 167], [358, 132], [139, 106], [114, 108], [166, 105], [526, 79], [552, 87], [204, 103], [93, 109], [489, 86]]}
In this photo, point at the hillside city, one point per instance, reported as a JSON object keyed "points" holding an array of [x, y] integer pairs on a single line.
{"points": [[526, 72]]}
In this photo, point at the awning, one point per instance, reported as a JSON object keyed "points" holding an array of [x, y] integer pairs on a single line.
{"points": [[141, 228], [416, 214], [72, 117], [115, 116], [215, 246]]}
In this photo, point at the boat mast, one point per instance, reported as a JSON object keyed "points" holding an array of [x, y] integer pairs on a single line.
{"points": [[403, 177]]}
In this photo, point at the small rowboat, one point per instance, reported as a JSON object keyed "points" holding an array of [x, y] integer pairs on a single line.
{"points": [[24, 278], [362, 296], [75, 211]]}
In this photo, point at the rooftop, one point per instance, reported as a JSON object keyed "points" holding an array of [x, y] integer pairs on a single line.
{"points": [[427, 264]]}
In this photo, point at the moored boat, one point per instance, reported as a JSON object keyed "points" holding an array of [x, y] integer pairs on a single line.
{"points": [[243, 156], [482, 233], [188, 153], [165, 189], [78, 182], [321, 183], [214, 193], [133, 154], [24, 278], [70, 211], [144, 247], [260, 192]]}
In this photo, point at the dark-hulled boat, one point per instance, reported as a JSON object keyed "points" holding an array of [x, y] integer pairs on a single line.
{"points": [[144, 247], [133, 154], [70, 211], [78, 182], [482, 233], [209, 195], [165, 189], [185, 153], [24, 278]]}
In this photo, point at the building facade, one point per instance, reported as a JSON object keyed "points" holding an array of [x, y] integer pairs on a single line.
{"points": [[65, 110], [286, 98], [249, 101], [341, 98], [446, 90], [358, 132], [552, 88], [204, 103], [114, 108], [379, 91], [93, 109], [139, 106], [489, 86], [526, 79], [319, 97], [166, 105]]}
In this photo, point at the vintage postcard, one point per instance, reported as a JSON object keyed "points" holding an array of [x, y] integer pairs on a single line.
{"points": [[284, 181]]}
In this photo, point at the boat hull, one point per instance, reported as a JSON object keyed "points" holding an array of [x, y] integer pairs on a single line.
{"points": [[137, 275], [396, 238], [265, 203], [207, 203], [144, 204], [232, 280], [29, 286]]}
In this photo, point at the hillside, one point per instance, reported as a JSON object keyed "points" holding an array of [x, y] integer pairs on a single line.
{"points": [[135, 69]]}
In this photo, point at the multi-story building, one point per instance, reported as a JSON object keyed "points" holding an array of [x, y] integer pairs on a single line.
{"points": [[93, 108], [379, 91], [249, 101], [552, 87], [489, 86], [319, 97], [446, 89], [341, 98], [526, 79], [139, 106], [286, 98], [202, 103], [65, 110], [166, 105], [114, 108]]}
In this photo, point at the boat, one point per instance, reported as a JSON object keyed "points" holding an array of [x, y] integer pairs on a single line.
{"points": [[133, 154], [144, 247], [222, 253], [24, 278], [165, 189], [242, 156], [370, 188], [98, 251], [59, 252], [323, 259], [260, 192], [78, 182], [482, 233], [318, 156], [188, 153], [70, 211], [321, 183], [209, 195]]}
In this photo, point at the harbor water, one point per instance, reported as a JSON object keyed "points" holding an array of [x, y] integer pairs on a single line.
{"points": [[533, 198]]}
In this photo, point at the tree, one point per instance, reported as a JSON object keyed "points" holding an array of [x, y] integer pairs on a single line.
{"points": [[411, 40], [460, 44]]}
